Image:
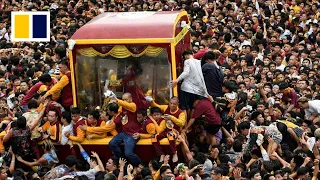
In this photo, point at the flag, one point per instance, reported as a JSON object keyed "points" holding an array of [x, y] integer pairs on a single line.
{"points": [[30, 26]]}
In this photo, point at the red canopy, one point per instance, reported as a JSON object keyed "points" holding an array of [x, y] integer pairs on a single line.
{"points": [[130, 25]]}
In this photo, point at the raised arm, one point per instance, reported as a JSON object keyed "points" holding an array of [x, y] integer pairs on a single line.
{"points": [[59, 86], [282, 161], [102, 129], [162, 107], [180, 121], [8, 136], [185, 148], [41, 161], [159, 128], [186, 71], [129, 106], [83, 153], [100, 164], [316, 169]]}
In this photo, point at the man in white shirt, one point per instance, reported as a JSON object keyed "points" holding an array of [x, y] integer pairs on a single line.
{"points": [[279, 64], [67, 127], [311, 108], [193, 84]]}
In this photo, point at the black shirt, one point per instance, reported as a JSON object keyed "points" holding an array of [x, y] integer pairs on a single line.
{"points": [[213, 77]]}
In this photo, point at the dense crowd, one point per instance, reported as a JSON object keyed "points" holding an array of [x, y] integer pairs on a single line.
{"points": [[248, 104]]}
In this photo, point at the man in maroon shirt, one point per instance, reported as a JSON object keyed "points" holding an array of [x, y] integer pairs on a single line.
{"points": [[127, 118], [43, 80], [204, 107]]}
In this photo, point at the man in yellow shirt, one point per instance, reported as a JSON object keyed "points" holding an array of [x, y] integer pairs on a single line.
{"points": [[52, 127], [110, 126], [172, 112], [147, 128], [63, 86], [94, 120], [78, 134], [175, 120]]}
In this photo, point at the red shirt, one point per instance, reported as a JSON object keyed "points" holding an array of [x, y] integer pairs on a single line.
{"points": [[30, 93], [66, 93], [128, 121], [200, 54], [291, 97], [204, 107], [176, 115], [144, 124]]}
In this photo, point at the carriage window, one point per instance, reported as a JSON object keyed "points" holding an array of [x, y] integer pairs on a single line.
{"points": [[95, 75]]}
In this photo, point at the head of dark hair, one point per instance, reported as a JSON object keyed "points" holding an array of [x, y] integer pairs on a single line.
{"points": [[115, 161], [64, 62], [110, 176], [37, 55], [163, 169], [18, 174], [278, 106], [243, 125], [253, 172], [218, 171], [95, 114], [223, 158], [242, 166], [70, 161], [56, 112], [283, 85], [268, 165], [148, 178], [287, 155], [237, 146], [61, 51], [201, 157], [113, 107], [267, 176], [145, 172], [45, 78], [302, 171], [4, 61], [75, 110], [15, 60], [18, 114], [187, 52], [155, 163], [100, 175], [21, 122], [155, 110], [67, 116], [210, 56], [32, 104], [143, 112], [83, 177]]}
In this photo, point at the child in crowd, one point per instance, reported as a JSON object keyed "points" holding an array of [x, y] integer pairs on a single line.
{"points": [[164, 130]]}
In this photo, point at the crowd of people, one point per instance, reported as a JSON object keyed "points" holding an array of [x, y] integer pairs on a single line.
{"points": [[248, 104]]}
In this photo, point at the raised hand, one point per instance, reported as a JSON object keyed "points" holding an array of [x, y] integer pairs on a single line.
{"points": [[122, 163]]}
